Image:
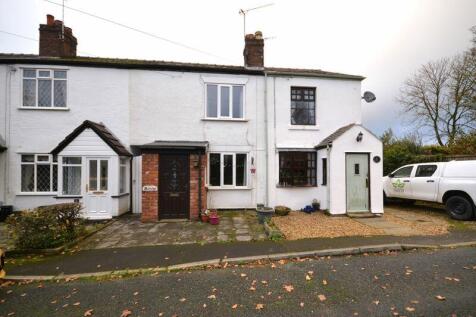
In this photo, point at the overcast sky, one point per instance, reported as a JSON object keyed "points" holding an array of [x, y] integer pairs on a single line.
{"points": [[385, 41]]}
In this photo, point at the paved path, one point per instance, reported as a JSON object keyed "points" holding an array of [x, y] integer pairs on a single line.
{"points": [[86, 261], [129, 231], [397, 284]]}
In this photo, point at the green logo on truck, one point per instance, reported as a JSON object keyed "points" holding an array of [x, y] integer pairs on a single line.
{"points": [[398, 186]]}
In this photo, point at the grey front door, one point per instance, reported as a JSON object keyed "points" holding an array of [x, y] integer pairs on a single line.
{"points": [[357, 182]]}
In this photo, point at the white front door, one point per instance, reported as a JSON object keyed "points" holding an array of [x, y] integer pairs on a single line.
{"points": [[97, 199], [357, 182]]}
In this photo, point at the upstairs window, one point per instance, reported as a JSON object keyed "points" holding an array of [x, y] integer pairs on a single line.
{"points": [[43, 88], [303, 106], [227, 169], [39, 173], [225, 101], [297, 169]]}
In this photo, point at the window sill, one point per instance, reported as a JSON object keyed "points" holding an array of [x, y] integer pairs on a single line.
{"points": [[303, 127], [228, 188], [297, 186], [68, 197], [45, 108], [225, 119], [37, 194]]}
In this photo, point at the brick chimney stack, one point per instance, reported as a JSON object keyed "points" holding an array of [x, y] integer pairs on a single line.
{"points": [[254, 50], [52, 41]]}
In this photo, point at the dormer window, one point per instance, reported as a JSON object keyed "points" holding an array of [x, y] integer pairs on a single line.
{"points": [[44, 88], [224, 101]]}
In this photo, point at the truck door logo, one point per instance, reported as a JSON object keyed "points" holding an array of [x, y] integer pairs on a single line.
{"points": [[398, 186]]}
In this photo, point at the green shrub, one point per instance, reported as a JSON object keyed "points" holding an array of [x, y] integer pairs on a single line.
{"points": [[282, 210], [46, 226]]}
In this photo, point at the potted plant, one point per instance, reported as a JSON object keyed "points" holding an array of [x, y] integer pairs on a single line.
{"points": [[213, 218], [316, 205], [264, 213], [205, 215]]}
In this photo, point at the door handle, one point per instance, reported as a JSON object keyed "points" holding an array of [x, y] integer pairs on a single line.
{"points": [[406, 181], [430, 181]]}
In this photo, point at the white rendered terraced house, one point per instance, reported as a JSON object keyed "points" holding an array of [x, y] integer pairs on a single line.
{"points": [[168, 140]]}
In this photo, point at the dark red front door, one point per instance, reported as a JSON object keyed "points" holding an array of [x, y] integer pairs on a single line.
{"points": [[173, 186]]}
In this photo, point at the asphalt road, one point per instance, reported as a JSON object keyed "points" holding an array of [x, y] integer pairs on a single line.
{"points": [[375, 285]]}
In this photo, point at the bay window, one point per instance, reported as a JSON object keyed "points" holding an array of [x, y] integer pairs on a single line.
{"points": [[297, 169], [39, 173], [44, 88], [227, 169], [71, 175], [224, 101]]}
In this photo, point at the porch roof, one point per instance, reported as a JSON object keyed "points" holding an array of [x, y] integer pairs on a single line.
{"points": [[101, 130], [338, 133], [176, 145]]}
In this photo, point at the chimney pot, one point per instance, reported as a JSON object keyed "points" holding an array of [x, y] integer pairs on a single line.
{"points": [[254, 50], [55, 40], [50, 19]]}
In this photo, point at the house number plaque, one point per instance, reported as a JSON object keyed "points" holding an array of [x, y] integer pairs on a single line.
{"points": [[149, 188]]}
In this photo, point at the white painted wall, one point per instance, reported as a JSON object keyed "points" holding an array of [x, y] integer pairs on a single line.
{"points": [[347, 143], [96, 94], [338, 103], [141, 106]]}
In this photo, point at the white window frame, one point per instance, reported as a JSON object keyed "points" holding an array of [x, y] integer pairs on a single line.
{"points": [[80, 165], [37, 78], [230, 102], [123, 163], [51, 161], [222, 169]]}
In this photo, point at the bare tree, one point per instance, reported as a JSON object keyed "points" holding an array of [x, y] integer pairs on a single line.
{"points": [[440, 97]]}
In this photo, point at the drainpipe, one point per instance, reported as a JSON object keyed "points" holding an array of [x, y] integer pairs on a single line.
{"points": [[199, 183], [266, 136], [328, 148], [8, 83]]}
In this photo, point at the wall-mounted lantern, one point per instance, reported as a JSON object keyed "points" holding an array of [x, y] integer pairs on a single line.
{"points": [[359, 137]]}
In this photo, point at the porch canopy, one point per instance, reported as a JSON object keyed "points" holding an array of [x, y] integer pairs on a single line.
{"points": [[159, 145]]}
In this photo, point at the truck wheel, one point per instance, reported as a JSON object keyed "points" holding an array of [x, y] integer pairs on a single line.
{"points": [[459, 208]]}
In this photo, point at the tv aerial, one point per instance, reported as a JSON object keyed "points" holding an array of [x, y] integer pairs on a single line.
{"points": [[245, 11]]}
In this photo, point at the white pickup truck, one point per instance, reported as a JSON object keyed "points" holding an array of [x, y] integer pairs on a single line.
{"points": [[451, 183]]}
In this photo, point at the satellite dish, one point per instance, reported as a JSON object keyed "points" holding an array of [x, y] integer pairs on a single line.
{"points": [[369, 96]]}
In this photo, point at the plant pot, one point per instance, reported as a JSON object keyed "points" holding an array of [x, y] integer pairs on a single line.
{"points": [[316, 206], [204, 218], [264, 214], [214, 220]]}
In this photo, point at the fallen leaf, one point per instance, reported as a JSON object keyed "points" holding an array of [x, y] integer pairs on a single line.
{"points": [[54, 301], [301, 304], [252, 288], [308, 277], [88, 313], [234, 306], [204, 305], [414, 302], [324, 282], [76, 304], [376, 302], [182, 300], [126, 312], [439, 297], [136, 293], [288, 288], [259, 306], [321, 297], [410, 309], [243, 275], [212, 297]]}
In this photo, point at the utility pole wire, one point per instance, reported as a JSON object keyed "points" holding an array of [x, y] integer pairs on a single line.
{"points": [[139, 30]]}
